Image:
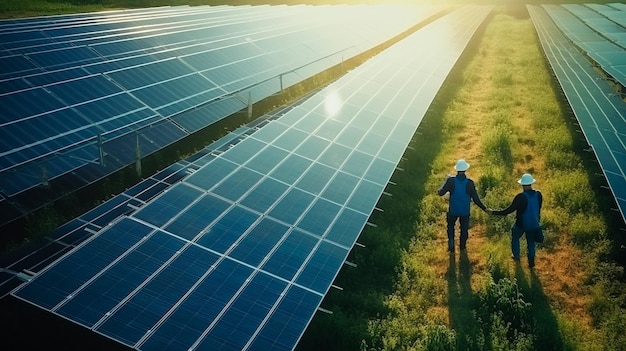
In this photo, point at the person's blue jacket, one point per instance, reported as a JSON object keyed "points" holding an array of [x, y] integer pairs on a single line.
{"points": [[470, 189], [519, 204]]}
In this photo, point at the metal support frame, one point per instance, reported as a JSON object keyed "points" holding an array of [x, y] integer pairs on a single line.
{"points": [[100, 150], [138, 156]]}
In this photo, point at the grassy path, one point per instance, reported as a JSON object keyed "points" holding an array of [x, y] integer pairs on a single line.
{"points": [[505, 120]]}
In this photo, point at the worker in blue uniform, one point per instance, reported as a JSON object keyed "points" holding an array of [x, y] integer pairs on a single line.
{"points": [[527, 206], [462, 192]]}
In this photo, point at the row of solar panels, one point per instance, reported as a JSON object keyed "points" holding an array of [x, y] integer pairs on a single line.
{"points": [[83, 96], [239, 254], [598, 30], [34, 257], [600, 112]]}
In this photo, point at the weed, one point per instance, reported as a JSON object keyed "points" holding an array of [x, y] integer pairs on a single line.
{"points": [[570, 190], [560, 160], [438, 338], [485, 183], [455, 123], [495, 268], [587, 228], [503, 79], [501, 118], [40, 226], [555, 138], [495, 336], [496, 147], [502, 302], [613, 330]]}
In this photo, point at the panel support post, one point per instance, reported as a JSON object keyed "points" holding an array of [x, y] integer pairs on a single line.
{"points": [[138, 157], [44, 175], [100, 150], [249, 105]]}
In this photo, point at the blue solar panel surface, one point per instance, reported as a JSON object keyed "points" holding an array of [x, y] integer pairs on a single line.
{"points": [[600, 112], [596, 29], [73, 88], [239, 254]]}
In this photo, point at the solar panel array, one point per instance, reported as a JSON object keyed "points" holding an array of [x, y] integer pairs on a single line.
{"points": [[601, 113], [82, 96], [597, 31], [239, 254], [64, 238]]}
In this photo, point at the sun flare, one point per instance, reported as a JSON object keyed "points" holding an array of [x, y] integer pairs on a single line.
{"points": [[332, 104]]}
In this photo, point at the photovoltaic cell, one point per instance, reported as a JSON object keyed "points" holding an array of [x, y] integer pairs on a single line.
{"points": [[237, 183], [322, 266], [135, 317], [283, 331], [347, 223], [291, 253], [103, 293], [259, 242], [166, 207], [292, 206], [228, 229], [244, 316], [198, 217], [262, 197], [340, 188], [69, 274]]}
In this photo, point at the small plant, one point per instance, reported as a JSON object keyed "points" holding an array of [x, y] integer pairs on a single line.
{"points": [[485, 183], [438, 338], [496, 336], [504, 79], [505, 299], [613, 328], [587, 228], [561, 160], [496, 147], [495, 268], [570, 190]]}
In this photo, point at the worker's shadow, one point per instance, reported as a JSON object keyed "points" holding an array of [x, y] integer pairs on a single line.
{"points": [[547, 332], [461, 298]]}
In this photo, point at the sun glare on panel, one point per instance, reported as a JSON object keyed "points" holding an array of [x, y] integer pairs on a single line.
{"points": [[332, 104]]}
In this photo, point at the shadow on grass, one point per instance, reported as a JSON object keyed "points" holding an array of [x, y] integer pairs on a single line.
{"points": [[476, 331], [547, 333], [462, 301]]}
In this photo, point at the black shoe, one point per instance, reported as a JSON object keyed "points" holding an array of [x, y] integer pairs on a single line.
{"points": [[515, 258], [462, 247], [451, 250], [531, 263]]}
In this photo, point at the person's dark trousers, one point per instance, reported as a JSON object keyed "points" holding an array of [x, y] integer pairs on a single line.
{"points": [[464, 224], [516, 234]]}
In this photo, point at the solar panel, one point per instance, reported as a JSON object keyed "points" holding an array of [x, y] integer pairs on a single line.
{"points": [[79, 93], [599, 22], [603, 40], [240, 253], [599, 111]]}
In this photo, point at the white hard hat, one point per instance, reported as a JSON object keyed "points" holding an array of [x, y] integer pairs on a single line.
{"points": [[461, 165], [526, 179]]}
